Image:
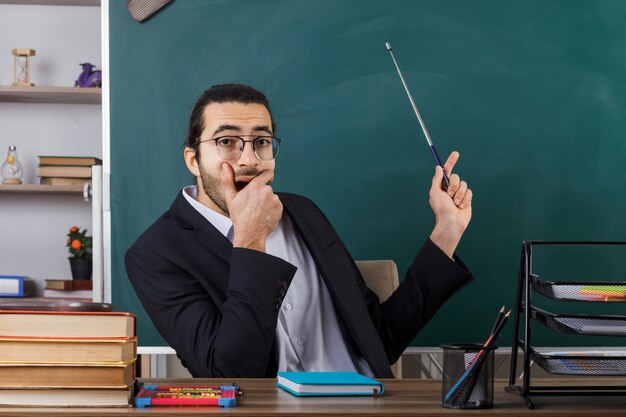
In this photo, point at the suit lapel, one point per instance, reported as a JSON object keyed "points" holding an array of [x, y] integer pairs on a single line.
{"points": [[203, 231], [211, 238]]}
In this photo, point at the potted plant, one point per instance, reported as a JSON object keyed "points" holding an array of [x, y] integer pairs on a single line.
{"points": [[81, 249]]}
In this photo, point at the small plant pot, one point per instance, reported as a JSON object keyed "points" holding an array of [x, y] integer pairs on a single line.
{"points": [[81, 268]]}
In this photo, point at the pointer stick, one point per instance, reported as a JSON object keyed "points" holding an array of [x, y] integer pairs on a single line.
{"points": [[419, 118]]}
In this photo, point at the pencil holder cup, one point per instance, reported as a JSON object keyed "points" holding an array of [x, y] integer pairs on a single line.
{"points": [[467, 381]]}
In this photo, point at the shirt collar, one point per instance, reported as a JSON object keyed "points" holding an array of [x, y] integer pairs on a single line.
{"points": [[219, 221]]}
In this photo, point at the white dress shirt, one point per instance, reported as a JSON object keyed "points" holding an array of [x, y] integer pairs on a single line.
{"points": [[308, 334]]}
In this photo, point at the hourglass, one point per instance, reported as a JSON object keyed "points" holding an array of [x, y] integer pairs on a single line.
{"points": [[21, 67]]}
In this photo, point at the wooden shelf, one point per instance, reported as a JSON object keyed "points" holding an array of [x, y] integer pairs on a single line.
{"points": [[40, 189], [67, 95], [53, 2]]}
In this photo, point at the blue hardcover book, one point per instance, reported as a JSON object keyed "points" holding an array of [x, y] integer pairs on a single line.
{"points": [[12, 286], [328, 383]]}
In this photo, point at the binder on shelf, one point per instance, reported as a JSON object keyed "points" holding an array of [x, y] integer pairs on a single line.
{"points": [[14, 286]]}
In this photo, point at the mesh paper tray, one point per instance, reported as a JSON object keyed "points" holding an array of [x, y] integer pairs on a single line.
{"points": [[581, 324], [580, 291], [582, 363]]}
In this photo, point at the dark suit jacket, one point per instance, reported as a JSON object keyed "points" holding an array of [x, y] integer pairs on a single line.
{"points": [[217, 306]]}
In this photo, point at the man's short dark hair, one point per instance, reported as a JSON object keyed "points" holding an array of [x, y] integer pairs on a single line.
{"points": [[222, 93]]}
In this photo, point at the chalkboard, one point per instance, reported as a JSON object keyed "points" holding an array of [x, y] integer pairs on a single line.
{"points": [[531, 93]]}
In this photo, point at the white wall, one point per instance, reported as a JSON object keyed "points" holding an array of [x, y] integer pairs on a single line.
{"points": [[32, 241]]}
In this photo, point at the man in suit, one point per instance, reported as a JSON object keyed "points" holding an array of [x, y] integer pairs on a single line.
{"points": [[244, 282]]}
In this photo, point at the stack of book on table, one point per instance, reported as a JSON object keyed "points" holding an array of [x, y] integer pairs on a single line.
{"points": [[69, 288], [66, 170], [66, 359]]}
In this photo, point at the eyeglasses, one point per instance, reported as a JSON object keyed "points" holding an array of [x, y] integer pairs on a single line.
{"points": [[230, 148]]}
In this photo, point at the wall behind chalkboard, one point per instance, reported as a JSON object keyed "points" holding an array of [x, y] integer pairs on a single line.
{"points": [[532, 93]]}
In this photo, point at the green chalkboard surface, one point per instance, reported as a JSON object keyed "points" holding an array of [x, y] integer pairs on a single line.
{"points": [[531, 93]]}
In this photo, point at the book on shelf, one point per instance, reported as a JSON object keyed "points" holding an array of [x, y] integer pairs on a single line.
{"points": [[77, 324], [52, 304], [15, 286], [82, 294], [66, 350], [69, 284], [66, 397], [64, 181], [69, 160], [66, 171], [328, 384], [36, 375]]}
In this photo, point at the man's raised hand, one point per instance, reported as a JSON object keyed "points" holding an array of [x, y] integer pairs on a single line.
{"points": [[452, 208]]}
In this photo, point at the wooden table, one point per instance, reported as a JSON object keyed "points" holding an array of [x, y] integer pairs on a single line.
{"points": [[408, 397]]}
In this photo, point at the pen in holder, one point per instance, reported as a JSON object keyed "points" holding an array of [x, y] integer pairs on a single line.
{"points": [[467, 376]]}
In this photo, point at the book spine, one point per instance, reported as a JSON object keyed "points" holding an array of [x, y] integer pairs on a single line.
{"points": [[81, 294], [71, 313], [63, 285]]}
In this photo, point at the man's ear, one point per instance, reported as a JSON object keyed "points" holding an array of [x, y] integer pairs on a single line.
{"points": [[191, 161]]}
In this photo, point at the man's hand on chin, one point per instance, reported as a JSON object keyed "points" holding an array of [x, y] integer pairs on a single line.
{"points": [[253, 207]]}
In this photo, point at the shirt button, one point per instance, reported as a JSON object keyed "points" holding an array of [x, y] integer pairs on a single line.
{"points": [[288, 307], [300, 342]]}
